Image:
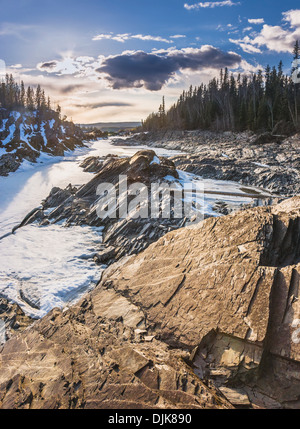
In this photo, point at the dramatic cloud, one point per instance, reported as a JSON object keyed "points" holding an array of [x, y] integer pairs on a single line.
{"points": [[152, 71], [210, 4], [122, 38], [256, 21], [47, 66], [274, 38]]}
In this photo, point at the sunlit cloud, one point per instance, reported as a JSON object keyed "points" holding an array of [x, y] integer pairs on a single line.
{"points": [[153, 70], [273, 38], [256, 21], [178, 36], [122, 38]]}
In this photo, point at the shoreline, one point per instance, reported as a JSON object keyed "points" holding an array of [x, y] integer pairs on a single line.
{"points": [[272, 166]]}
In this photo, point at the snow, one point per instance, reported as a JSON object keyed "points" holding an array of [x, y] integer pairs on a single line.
{"points": [[3, 125], [51, 266], [44, 134], [16, 115], [232, 193], [155, 161], [261, 165], [3, 151], [12, 130]]}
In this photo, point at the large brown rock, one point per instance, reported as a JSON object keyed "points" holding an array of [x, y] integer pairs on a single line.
{"points": [[223, 295], [228, 287], [80, 359], [12, 319]]}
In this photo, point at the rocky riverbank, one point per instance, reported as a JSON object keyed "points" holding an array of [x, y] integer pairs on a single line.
{"points": [[266, 161], [198, 316], [25, 137], [130, 234], [203, 318]]}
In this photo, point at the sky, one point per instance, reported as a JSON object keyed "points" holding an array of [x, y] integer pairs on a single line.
{"points": [[114, 60]]}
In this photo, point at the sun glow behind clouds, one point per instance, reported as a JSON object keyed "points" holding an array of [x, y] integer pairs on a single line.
{"points": [[122, 62]]}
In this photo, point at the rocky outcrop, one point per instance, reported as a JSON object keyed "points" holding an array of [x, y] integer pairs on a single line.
{"points": [[12, 320], [24, 136], [81, 359], [79, 206], [226, 291], [92, 164], [9, 163], [273, 163]]}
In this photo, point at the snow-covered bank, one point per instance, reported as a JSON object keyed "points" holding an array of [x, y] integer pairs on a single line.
{"points": [[24, 189], [26, 134], [43, 268], [51, 266]]}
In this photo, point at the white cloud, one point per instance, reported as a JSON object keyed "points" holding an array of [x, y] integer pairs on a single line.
{"points": [[274, 37], [210, 4], [103, 37], [293, 17], [256, 21], [127, 36], [178, 36], [78, 67], [151, 38], [249, 68], [246, 46]]}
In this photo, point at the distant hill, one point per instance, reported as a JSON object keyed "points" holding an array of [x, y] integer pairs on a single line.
{"points": [[112, 126]]}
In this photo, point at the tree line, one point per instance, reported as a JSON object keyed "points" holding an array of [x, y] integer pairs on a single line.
{"points": [[14, 96], [268, 100]]}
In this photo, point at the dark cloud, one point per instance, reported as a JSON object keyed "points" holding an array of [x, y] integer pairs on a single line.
{"points": [[104, 104], [49, 65], [138, 69]]}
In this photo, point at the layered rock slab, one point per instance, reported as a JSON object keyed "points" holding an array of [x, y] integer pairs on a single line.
{"points": [[79, 359], [214, 303], [228, 289]]}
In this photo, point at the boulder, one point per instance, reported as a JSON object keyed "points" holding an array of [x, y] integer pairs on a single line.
{"points": [[8, 163]]}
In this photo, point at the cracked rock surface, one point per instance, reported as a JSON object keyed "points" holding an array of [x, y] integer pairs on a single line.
{"points": [[201, 318], [271, 163]]}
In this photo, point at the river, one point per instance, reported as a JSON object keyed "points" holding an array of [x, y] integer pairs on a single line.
{"points": [[46, 267]]}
